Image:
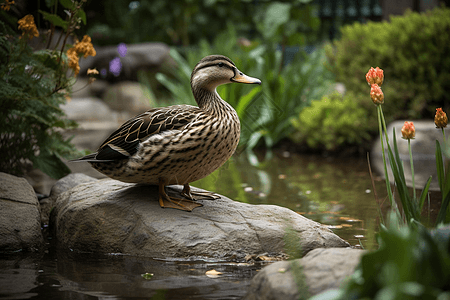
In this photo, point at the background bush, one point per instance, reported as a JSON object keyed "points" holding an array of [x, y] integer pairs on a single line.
{"points": [[332, 123], [413, 52]]}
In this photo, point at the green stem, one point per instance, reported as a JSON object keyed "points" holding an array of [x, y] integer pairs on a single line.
{"points": [[384, 124], [412, 170], [388, 184]]}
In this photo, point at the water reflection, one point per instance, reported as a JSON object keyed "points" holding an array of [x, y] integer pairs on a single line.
{"points": [[333, 191]]}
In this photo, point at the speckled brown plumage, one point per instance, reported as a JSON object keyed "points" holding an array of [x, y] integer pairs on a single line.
{"points": [[177, 144]]}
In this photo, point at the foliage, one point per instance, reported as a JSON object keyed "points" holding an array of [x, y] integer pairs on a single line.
{"points": [[411, 263], [332, 123], [414, 47], [264, 111], [191, 21], [33, 85], [444, 183]]}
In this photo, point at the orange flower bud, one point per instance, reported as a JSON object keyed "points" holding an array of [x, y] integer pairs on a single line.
{"points": [[376, 94], [375, 76], [440, 119], [408, 130]]}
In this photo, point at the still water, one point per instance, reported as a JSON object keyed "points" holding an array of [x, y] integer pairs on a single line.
{"points": [[336, 192]]}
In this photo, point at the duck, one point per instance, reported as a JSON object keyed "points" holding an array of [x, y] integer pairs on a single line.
{"points": [[178, 144]]}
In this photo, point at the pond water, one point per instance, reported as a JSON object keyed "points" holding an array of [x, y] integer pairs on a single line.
{"points": [[335, 192]]}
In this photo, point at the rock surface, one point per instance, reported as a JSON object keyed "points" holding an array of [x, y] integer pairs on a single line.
{"points": [[128, 96], [323, 269], [20, 222], [62, 185], [110, 216], [423, 149]]}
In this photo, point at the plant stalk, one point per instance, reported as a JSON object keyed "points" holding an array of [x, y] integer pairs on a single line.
{"points": [[412, 170]]}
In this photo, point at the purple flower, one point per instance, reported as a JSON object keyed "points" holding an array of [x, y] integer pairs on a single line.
{"points": [[115, 66], [122, 49]]}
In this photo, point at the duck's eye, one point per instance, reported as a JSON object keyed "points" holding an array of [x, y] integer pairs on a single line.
{"points": [[220, 64]]}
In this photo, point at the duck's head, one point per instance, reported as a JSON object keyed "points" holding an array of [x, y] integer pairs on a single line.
{"points": [[215, 70]]}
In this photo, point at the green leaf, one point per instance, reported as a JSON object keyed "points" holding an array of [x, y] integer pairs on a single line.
{"points": [[67, 4], [147, 276], [442, 215], [82, 15], [276, 14], [440, 166], [50, 3], [54, 19], [424, 193], [246, 100]]}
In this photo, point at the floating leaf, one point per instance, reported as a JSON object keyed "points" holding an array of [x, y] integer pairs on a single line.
{"points": [[213, 273], [147, 276]]}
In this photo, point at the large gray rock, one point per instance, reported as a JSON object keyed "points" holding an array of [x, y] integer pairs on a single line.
{"points": [[62, 185], [128, 96], [88, 109], [322, 269], [423, 149], [110, 216], [20, 224]]}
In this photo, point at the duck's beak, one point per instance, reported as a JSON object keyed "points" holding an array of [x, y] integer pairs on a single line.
{"points": [[241, 77]]}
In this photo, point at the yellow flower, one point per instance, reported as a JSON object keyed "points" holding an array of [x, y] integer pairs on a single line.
{"points": [[85, 48], [376, 94], [440, 119], [375, 76], [7, 5], [26, 24], [92, 72], [408, 130], [73, 60]]}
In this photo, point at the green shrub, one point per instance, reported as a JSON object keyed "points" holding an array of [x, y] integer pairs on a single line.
{"points": [[331, 123], [33, 84], [413, 49]]}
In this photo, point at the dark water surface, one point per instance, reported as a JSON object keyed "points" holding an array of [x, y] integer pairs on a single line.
{"points": [[336, 192]]}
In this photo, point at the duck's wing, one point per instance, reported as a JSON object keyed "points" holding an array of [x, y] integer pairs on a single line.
{"points": [[124, 142]]}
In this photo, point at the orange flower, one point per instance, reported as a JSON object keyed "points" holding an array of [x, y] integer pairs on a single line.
{"points": [[408, 130], [375, 76], [92, 72], [85, 48], [440, 119], [26, 24], [7, 5], [73, 60], [376, 94]]}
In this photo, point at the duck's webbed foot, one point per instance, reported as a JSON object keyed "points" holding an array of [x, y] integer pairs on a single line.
{"points": [[165, 201], [196, 195]]}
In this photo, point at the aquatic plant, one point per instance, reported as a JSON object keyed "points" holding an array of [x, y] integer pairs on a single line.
{"points": [[411, 206]]}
